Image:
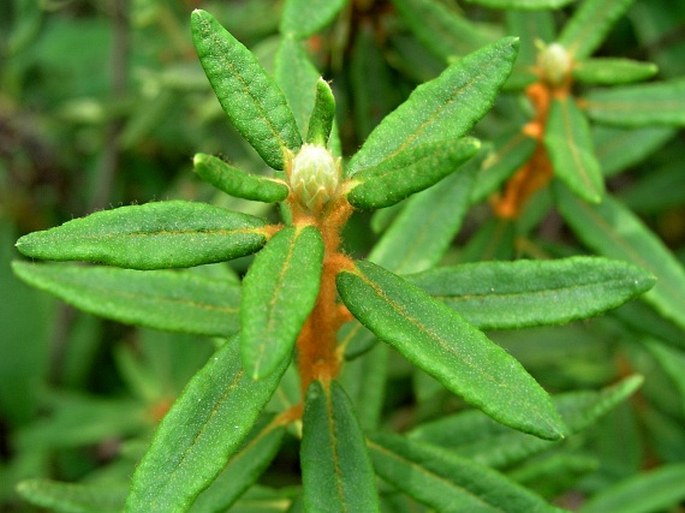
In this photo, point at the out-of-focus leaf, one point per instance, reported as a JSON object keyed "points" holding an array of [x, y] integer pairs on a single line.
{"points": [[590, 24], [530, 26], [443, 30], [607, 71], [199, 433], [438, 340], [237, 183], [619, 148], [473, 435], [612, 230], [279, 292], [250, 98], [302, 18], [151, 236], [163, 299], [522, 4], [658, 103], [651, 491], [569, 145], [661, 189], [243, 469], [447, 482], [672, 361], [410, 170], [421, 234], [555, 474], [73, 498], [502, 295], [437, 109], [336, 470]]}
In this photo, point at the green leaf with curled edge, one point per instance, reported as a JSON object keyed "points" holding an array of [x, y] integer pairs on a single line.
{"points": [[656, 103], [249, 96], [570, 148], [235, 182], [159, 235], [443, 108], [524, 293], [411, 170], [203, 429], [439, 341], [323, 114], [336, 469], [612, 230], [166, 300], [279, 292], [589, 25], [447, 482], [607, 71]]}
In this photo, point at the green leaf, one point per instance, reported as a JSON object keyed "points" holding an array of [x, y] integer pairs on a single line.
{"points": [[410, 170], [303, 18], [590, 24], [569, 144], [235, 182], [166, 300], [660, 103], [250, 98], [620, 148], [336, 470], [151, 236], [613, 231], [204, 427], [607, 71], [439, 341], [522, 4], [73, 498], [446, 482], [242, 471], [443, 30], [279, 292], [421, 234], [511, 151], [504, 295], [656, 490], [475, 436], [321, 121], [554, 474], [672, 361], [444, 108]]}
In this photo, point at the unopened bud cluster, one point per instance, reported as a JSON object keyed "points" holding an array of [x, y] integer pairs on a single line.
{"points": [[554, 64], [314, 177]]}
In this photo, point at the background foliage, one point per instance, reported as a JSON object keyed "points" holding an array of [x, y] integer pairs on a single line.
{"points": [[104, 103]]}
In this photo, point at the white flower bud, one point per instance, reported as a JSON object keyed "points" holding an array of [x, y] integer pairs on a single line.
{"points": [[314, 177], [555, 63]]}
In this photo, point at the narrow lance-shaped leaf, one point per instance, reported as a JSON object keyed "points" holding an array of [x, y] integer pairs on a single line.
{"points": [[443, 30], [303, 18], [72, 497], [503, 295], [421, 234], [165, 300], [279, 292], [242, 471], [660, 103], [336, 470], [151, 236], [444, 108], [446, 482], [410, 170], [204, 427], [472, 435], [656, 490], [613, 71], [613, 231], [235, 182], [439, 341], [588, 27], [321, 120], [253, 102], [569, 144]]}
